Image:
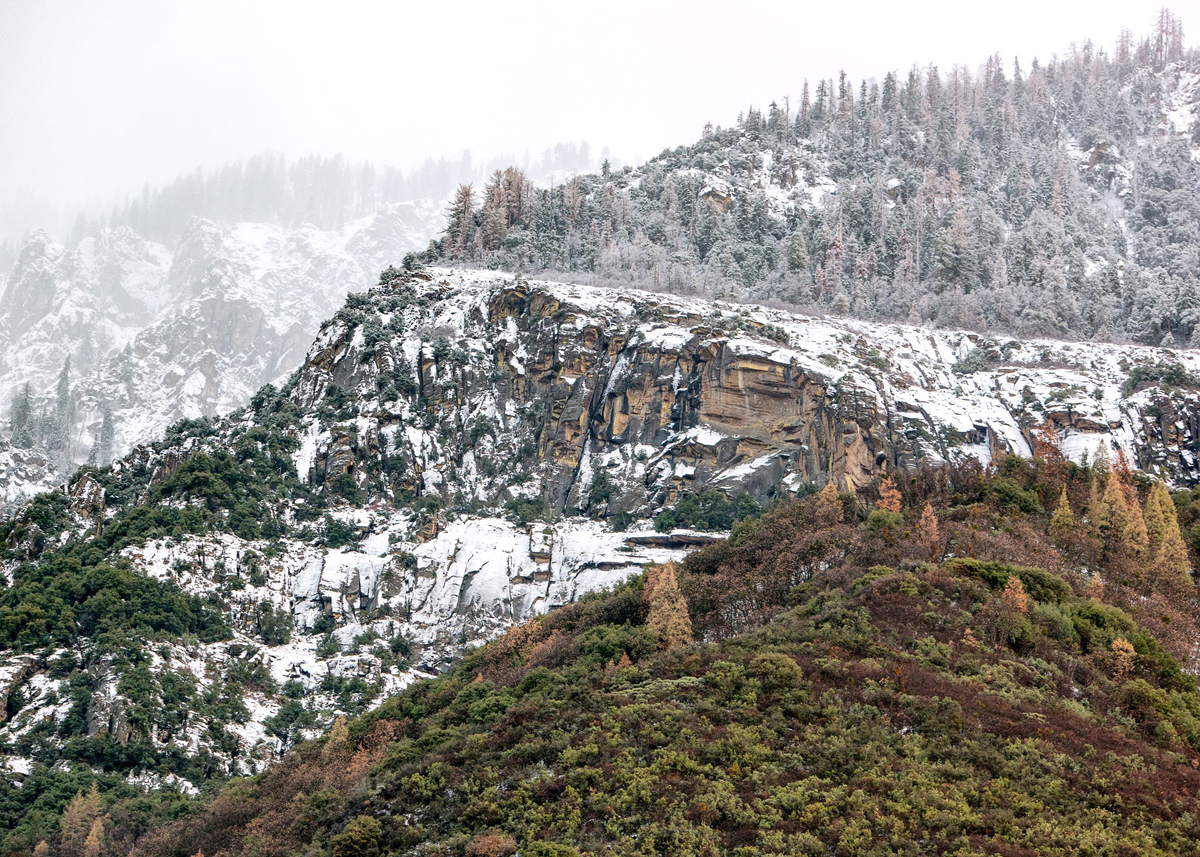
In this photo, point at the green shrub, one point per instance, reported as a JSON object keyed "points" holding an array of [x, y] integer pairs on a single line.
{"points": [[1012, 496], [359, 839], [521, 510], [1038, 584], [710, 511]]}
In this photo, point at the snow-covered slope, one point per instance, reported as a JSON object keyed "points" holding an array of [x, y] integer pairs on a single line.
{"points": [[159, 333]]}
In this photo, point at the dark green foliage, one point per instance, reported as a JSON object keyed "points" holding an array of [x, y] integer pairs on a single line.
{"points": [[708, 511], [1012, 495], [274, 626], [1170, 374], [1038, 584], [339, 534], [286, 723], [359, 839], [59, 600], [883, 519], [855, 714], [524, 511], [344, 485]]}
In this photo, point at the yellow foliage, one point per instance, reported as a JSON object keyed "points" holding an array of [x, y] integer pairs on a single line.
{"points": [[667, 611], [1124, 657], [829, 505], [889, 497], [1063, 519], [927, 532]]}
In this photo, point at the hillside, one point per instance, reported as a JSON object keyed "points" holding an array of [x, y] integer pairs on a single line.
{"points": [[459, 452], [108, 343], [1032, 199], [871, 674]]}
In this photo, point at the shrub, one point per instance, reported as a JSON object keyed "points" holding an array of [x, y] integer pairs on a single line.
{"points": [[711, 511], [1012, 496], [882, 519], [339, 534], [1038, 584], [359, 839], [492, 845], [524, 511]]}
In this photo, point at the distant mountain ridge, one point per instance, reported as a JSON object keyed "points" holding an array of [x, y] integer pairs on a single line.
{"points": [[156, 334]]}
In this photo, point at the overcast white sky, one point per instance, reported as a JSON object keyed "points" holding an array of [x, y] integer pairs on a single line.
{"points": [[99, 96]]}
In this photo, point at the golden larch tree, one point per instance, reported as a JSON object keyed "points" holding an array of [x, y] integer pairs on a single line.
{"points": [[1123, 658], [829, 505], [94, 844], [78, 819], [1171, 566], [927, 532], [666, 609], [1115, 519], [1154, 517], [1062, 521], [889, 497], [1014, 598]]}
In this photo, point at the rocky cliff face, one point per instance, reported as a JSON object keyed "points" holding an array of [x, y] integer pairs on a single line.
{"points": [[567, 388], [456, 454]]}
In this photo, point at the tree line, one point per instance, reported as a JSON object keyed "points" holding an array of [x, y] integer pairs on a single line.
{"points": [[1054, 198]]}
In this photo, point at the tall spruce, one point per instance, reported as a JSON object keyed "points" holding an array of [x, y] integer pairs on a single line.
{"points": [[21, 418]]}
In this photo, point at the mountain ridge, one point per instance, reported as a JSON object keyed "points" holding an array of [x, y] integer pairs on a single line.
{"points": [[463, 450]]}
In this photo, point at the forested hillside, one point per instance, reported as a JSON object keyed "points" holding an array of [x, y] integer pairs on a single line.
{"points": [[950, 662], [1052, 196], [462, 451]]}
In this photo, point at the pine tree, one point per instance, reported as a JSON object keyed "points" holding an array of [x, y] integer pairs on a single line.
{"points": [[62, 419], [667, 611], [21, 417], [107, 436], [460, 223]]}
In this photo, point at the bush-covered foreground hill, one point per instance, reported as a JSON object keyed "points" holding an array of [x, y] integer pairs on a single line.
{"points": [[923, 668]]}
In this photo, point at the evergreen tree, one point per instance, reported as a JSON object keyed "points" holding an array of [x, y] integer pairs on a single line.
{"points": [[104, 443], [460, 223], [21, 418], [64, 414]]}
